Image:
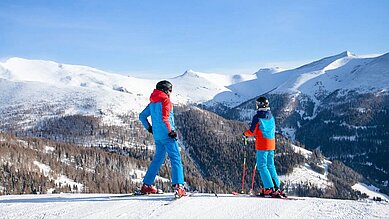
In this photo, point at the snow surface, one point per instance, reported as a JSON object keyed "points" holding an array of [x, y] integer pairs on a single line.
{"points": [[61, 180], [196, 206], [138, 175], [371, 191], [43, 168], [65, 181], [306, 153], [304, 173], [49, 149]]}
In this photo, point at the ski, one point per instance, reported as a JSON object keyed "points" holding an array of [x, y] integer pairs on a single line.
{"points": [[138, 192], [283, 198], [259, 196], [176, 197], [121, 195], [239, 193], [197, 194], [135, 193]]}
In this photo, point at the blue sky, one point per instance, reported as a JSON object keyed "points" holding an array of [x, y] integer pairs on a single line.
{"points": [[165, 38]]}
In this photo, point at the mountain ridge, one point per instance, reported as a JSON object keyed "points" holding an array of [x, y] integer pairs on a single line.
{"points": [[340, 71]]}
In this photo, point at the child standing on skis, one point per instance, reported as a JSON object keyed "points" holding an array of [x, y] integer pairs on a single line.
{"points": [[263, 129], [161, 111]]}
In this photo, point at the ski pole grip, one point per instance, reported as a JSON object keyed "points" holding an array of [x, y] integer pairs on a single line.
{"points": [[244, 138]]}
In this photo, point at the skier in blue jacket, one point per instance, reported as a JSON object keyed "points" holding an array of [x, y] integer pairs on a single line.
{"points": [[263, 129], [161, 111]]}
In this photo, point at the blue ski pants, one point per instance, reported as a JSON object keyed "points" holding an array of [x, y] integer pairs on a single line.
{"points": [[266, 168], [170, 146]]}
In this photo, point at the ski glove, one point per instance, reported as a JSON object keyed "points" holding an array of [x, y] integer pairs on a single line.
{"points": [[172, 134], [150, 130]]}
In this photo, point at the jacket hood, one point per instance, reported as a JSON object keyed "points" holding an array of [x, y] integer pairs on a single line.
{"points": [[158, 96]]}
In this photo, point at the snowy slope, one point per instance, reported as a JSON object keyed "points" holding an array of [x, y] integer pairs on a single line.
{"points": [[36, 89], [196, 87], [341, 71], [263, 82], [198, 206], [363, 74], [54, 82], [371, 191], [304, 174], [34, 100], [68, 75]]}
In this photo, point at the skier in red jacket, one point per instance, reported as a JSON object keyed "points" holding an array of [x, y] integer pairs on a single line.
{"points": [[161, 111]]}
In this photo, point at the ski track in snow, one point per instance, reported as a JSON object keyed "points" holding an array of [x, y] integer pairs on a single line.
{"points": [[196, 206]]}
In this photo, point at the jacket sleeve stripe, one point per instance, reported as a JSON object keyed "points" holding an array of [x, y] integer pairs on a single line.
{"points": [[166, 108]]}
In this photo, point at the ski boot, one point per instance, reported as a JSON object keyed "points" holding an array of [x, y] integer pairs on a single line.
{"points": [[282, 193], [265, 192], [179, 191], [148, 189], [279, 193]]}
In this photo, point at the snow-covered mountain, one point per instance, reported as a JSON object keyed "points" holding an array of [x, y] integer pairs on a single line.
{"points": [[71, 89], [342, 71], [33, 82], [36, 81]]}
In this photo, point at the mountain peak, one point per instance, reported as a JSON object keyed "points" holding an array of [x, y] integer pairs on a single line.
{"points": [[23, 61], [324, 62], [190, 73], [270, 70], [346, 54], [343, 54]]}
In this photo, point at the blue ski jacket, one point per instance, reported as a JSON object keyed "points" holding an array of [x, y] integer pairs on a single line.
{"points": [[161, 111]]}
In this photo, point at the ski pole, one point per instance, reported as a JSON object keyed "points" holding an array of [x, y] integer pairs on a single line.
{"points": [[244, 173], [252, 180], [244, 163]]}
